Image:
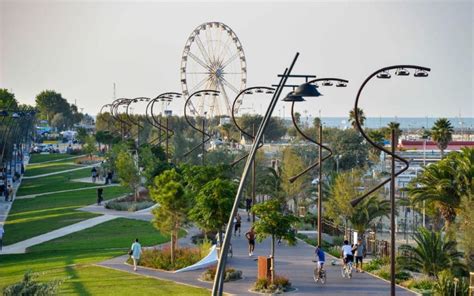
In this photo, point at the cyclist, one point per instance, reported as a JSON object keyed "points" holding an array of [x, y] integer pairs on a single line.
{"points": [[347, 253], [320, 258]]}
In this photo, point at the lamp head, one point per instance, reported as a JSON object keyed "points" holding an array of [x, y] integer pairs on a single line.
{"points": [[384, 75], [402, 72], [421, 73], [291, 97], [306, 90]]}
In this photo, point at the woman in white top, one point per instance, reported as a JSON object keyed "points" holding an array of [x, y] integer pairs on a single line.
{"points": [[135, 252]]}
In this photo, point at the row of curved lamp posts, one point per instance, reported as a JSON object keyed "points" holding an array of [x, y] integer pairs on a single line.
{"points": [[307, 89]]}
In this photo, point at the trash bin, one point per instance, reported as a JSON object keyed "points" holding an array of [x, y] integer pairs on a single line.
{"points": [[264, 265]]}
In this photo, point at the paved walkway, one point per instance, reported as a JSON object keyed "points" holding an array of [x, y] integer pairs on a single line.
{"points": [[63, 191], [294, 262], [21, 247], [55, 160], [58, 172]]}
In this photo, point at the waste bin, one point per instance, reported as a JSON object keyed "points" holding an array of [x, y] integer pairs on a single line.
{"points": [[264, 265]]}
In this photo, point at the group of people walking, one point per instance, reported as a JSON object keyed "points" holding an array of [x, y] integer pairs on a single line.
{"points": [[99, 174], [7, 191]]}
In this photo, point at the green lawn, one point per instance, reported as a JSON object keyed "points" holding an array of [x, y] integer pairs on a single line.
{"points": [[71, 257], [35, 216], [49, 167], [35, 158], [55, 183]]}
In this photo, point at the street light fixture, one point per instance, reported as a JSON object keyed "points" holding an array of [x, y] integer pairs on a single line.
{"points": [[218, 285], [238, 99], [309, 89], [205, 136], [383, 73]]}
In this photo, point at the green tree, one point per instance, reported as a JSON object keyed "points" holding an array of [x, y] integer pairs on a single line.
{"points": [[59, 122], [89, 147], [433, 253], [274, 223], [213, 205], [378, 137], [29, 286], [50, 102], [344, 189], [352, 117], [292, 164], [127, 171], [174, 204], [393, 125], [366, 212], [7, 99], [81, 135], [441, 133]]}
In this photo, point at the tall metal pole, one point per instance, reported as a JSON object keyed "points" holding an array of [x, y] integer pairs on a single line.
{"points": [[320, 185], [203, 139], [392, 217], [167, 139], [254, 177], [218, 285]]}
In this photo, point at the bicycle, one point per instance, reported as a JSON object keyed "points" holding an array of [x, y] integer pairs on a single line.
{"points": [[319, 274], [347, 270]]}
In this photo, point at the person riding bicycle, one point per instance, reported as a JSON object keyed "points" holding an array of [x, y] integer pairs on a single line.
{"points": [[320, 258], [347, 255]]}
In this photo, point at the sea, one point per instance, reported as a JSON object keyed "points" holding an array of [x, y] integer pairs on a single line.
{"points": [[459, 123]]}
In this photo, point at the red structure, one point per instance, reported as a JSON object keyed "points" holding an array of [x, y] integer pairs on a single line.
{"points": [[431, 145]]}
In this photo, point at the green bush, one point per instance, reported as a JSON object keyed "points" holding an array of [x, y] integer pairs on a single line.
{"points": [[338, 240], [128, 206], [335, 251], [229, 275], [445, 285], [281, 284], [28, 286], [161, 258], [420, 284]]}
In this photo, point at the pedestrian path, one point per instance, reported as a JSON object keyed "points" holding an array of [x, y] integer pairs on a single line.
{"points": [[58, 172], [5, 206], [293, 262], [64, 191], [61, 159], [20, 247]]}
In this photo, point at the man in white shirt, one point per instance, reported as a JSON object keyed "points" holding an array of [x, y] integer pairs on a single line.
{"points": [[347, 255]]}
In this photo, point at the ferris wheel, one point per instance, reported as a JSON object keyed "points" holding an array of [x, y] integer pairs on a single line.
{"points": [[213, 58]]}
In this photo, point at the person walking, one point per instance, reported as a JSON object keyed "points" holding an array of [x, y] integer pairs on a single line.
{"points": [[94, 174], [100, 198], [135, 252], [237, 224], [250, 235], [1, 236], [360, 253], [11, 192]]}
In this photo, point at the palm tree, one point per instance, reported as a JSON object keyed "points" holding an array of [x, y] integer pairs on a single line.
{"points": [[393, 125], [441, 133], [433, 253], [360, 114], [367, 211], [436, 184]]}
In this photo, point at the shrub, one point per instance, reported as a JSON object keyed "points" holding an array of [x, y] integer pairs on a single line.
{"points": [[335, 251], [28, 286], [420, 284], [281, 284], [161, 258], [128, 206], [445, 285], [229, 275], [376, 263], [338, 240]]}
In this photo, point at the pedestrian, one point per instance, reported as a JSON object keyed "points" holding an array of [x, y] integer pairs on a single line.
{"points": [[1, 236], [11, 192], [238, 224], [250, 235], [108, 180], [135, 252], [3, 190], [248, 204], [100, 198], [99, 173], [360, 253], [94, 174]]}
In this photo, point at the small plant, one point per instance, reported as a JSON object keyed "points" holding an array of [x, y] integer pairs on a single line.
{"points": [[161, 258], [420, 284], [335, 251], [229, 275], [281, 284], [28, 286], [446, 283]]}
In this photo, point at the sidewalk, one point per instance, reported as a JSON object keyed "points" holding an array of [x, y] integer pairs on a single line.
{"points": [[63, 191], [58, 172]]}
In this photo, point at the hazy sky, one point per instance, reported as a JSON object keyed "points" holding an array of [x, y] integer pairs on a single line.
{"points": [[81, 48]]}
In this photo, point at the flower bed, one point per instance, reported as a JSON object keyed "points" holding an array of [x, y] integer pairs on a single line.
{"points": [[280, 285], [160, 258], [128, 203], [230, 274]]}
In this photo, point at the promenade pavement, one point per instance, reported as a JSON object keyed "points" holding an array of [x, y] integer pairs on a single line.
{"points": [[294, 262]]}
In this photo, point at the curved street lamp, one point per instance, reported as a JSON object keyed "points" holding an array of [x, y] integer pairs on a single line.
{"points": [[116, 115], [131, 119], [309, 89], [383, 73], [238, 99], [166, 97], [205, 136]]}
